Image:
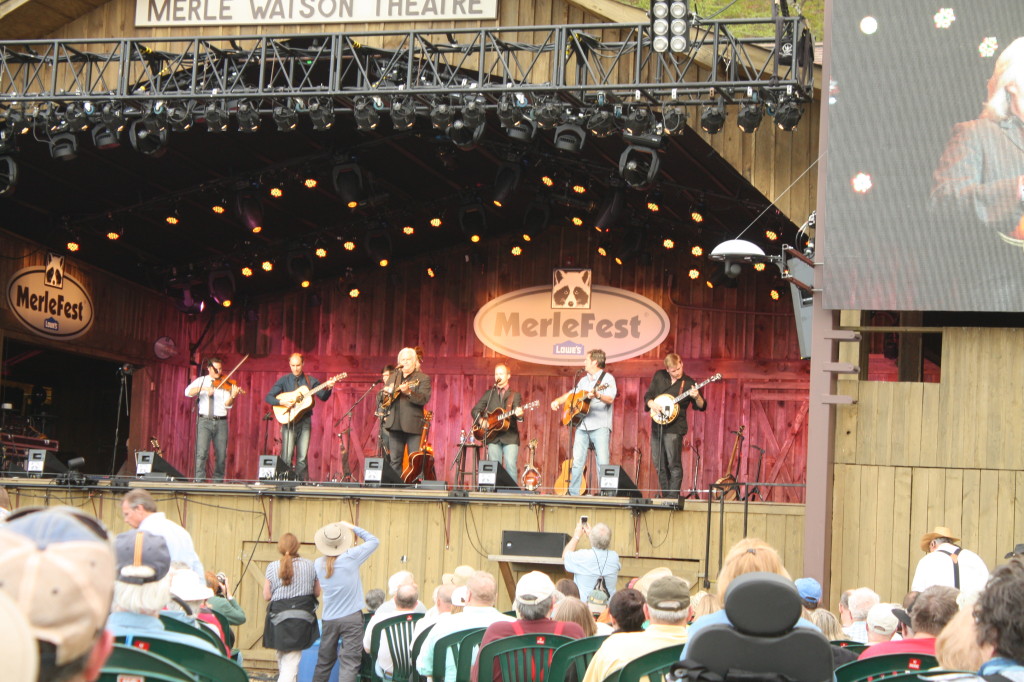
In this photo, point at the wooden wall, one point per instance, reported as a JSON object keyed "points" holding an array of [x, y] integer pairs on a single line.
{"points": [[912, 456], [237, 534]]}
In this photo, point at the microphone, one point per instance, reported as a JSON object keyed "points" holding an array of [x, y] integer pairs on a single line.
{"points": [[378, 381]]}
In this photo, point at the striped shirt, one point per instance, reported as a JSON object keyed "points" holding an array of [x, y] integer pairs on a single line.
{"points": [[303, 579]]}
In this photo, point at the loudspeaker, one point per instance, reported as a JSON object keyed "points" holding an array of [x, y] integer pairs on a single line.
{"points": [[42, 462], [531, 543], [614, 482], [377, 473], [273, 467], [152, 466], [491, 476]]}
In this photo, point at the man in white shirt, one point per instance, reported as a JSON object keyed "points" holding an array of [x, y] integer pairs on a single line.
{"points": [[139, 511], [213, 400], [406, 599], [945, 563]]}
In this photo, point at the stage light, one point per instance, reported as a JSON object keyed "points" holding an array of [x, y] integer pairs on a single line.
{"points": [[750, 117], [473, 220], [432, 271], [73, 246], [365, 114], [654, 202], [221, 283], [694, 273], [473, 112], [348, 183], [378, 243], [441, 114], [320, 252], [673, 120], [268, 266], [286, 117], [697, 251], [310, 183], [463, 136], [668, 243], [383, 262], [249, 209], [639, 121], [523, 132], [349, 245], [569, 137], [104, 138], [148, 136], [179, 116], [408, 230], [576, 221], [475, 238], [602, 123], [547, 180], [550, 113], [248, 117], [713, 118], [246, 271], [516, 250], [321, 113], [276, 192], [611, 209], [8, 176], [536, 218], [505, 183], [579, 188], [527, 237], [602, 249], [638, 166], [403, 112], [64, 146], [787, 114], [669, 26], [353, 292], [113, 235], [216, 116], [112, 116], [774, 294], [771, 235], [173, 217], [219, 206], [77, 118], [436, 222], [759, 267]]}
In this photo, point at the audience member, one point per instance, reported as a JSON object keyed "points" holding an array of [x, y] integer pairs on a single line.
{"points": [[458, 576], [338, 573], [860, 602], [533, 604], [5, 503], [703, 603], [394, 582], [845, 618], [222, 601], [374, 598], [292, 588], [828, 623], [644, 582], [442, 608], [139, 511], [588, 566], [58, 577], [810, 592], [881, 623], [945, 563], [1018, 549], [667, 608], [480, 592], [406, 598], [188, 602], [572, 610], [627, 610], [932, 610], [567, 588], [956, 647], [999, 620]]}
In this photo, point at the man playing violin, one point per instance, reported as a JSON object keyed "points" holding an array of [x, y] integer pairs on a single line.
{"points": [[667, 439], [214, 398], [596, 426], [295, 434], [504, 445], [408, 390]]}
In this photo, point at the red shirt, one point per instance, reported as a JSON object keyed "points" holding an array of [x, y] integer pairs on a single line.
{"points": [[502, 629], [924, 645]]}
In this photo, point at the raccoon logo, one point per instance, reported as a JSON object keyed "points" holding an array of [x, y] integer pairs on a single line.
{"points": [[55, 270], [571, 289]]}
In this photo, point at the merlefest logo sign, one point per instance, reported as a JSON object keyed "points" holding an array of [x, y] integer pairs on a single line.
{"points": [[558, 325], [50, 302]]}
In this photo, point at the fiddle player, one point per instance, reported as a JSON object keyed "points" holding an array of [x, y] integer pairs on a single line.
{"points": [[502, 446], [381, 411], [295, 434], [667, 439], [409, 390], [213, 398]]}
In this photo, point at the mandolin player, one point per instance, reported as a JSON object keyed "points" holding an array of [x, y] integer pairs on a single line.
{"points": [[295, 434], [213, 400], [502, 445], [667, 439]]}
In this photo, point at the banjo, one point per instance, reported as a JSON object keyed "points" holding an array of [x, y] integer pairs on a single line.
{"points": [[667, 406]]}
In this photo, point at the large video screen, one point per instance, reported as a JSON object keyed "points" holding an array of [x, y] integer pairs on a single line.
{"points": [[925, 156]]}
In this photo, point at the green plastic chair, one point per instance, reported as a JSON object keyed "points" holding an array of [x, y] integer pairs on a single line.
{"points": [[397, 632], [468, 648], [520, 658], [229, 634], [128, 660], [118, 675], [574, 655], [652, 665], [930, 676], [206, 666], [853, 646], [449, 646], [416, 647], [890, 663], [172, 624]]}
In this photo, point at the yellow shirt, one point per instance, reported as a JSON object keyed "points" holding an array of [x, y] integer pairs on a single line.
{"points": [[623, 647]]}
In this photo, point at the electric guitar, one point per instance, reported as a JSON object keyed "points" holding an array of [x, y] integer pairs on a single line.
{"points": [[530, 479], [302, 400], [498, 421], [667, 408], [421, 462], [577, 405], [390, 396]]}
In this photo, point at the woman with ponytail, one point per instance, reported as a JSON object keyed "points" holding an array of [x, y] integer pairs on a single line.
{"points": [[291, 588]]}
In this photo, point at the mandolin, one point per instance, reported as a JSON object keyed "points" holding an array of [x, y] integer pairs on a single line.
{"points": [[667, 408], [392, 395], [577, 405], [530, 480], [421, 462], [302, 398], [727, 484], [498, 421]]}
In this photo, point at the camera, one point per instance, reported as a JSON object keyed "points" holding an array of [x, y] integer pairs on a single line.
{"points": [[583, 520], [222, 578]]}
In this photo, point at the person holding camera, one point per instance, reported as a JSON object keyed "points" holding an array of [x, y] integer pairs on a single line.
{"points": [[222, 602], [594, 568]]}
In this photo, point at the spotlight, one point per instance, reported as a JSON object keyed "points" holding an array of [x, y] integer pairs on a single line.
{"points": [[113, 235], [549, 113], [173, 217], [348, 183], [248, 117], [219, 206], [535, 218], [602, 123], [112, 115], [524, 132], [216, 117], [750, 117], [365, 113], [673, 118], [73, 245], [349, 245], [611, 209], [104, 138], [516, 250], [148, 136], [505, 183], [668, 243], [603, 248], [433, 271], [353, 292], [299, 265], [246, 271], [8, 138], [320, 252], [221, 283], [403, 112], [409, 230], [463, 136], [77, 118], [436, 222], [510, 112], [713, 118], [669, 26], [64, 146], [321, 113], [787, 114], [441, 114], [8, 176], [640, 121], [473, 220], [179, 116], [569, 137], [378, 243], [285, 117], [639, 166], [249, 209], [267, 265], [473, 112]]}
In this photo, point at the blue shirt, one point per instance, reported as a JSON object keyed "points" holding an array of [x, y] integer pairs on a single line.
{"points": [[343, 591], [127, 624], [600, 414], [587, 565]]}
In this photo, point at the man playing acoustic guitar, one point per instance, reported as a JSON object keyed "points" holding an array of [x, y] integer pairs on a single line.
{"points": [[667, 439], [295, 434], [502, 445], [592, 397]]}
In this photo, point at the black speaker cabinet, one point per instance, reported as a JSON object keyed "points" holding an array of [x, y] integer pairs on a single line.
{"points": [[273, 467], [152, 466], [492, 477], [532, 543], [614, 482], [377, 473]]}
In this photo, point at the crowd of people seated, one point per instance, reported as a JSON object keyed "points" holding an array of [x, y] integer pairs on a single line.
{"points": [[81, 591]]}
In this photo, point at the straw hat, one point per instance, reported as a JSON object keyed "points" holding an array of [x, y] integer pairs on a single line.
{"points": [[939, 532], [334, 539]]}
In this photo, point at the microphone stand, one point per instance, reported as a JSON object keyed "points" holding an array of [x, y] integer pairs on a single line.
{"points": [[572, 435], [345, 434], [123, 400], [757, 490], [694, 492]]}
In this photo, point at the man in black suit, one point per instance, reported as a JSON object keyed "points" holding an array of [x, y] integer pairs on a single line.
{"points": [[410, 389], [504, 445]]}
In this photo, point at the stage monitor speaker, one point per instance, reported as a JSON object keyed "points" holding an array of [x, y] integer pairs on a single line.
{"points": [[42, 462], [614, 482], [532, 543], [152, 466], [492, 477], [377, 473], [274, 468]]}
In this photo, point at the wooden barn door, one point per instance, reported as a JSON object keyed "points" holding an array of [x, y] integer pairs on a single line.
{"points": [[778, 423]]}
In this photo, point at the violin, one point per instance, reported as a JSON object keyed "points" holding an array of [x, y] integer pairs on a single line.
{"points": [[227, 384]]}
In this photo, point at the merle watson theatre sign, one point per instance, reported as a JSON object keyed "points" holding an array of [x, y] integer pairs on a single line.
{"points": [[175, 13], [559, 324], [50, 302]]}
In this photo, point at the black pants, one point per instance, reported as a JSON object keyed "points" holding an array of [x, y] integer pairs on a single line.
{"points": [[349, 629], [398, 441], [667, 452]]}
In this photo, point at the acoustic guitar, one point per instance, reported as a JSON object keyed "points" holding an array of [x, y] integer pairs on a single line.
{"points": [[497, 421], [303, 400], [389, 397], [666, 407], [421, 462], [729, 490], [530, 480], [577, 405]]}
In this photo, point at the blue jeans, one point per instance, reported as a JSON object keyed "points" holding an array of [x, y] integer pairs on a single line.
{"points": [[600, 439], [211, 431], [295, 437], [508, 455]]}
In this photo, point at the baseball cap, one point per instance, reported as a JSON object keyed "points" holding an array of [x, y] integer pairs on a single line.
{"points": [[597, 600], [141, 557], [459, 596], [534, 587], [57, 566], [188, 586], [881, 620], [810, 591], [17, 645], [669, 593], [1018, 549]]}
